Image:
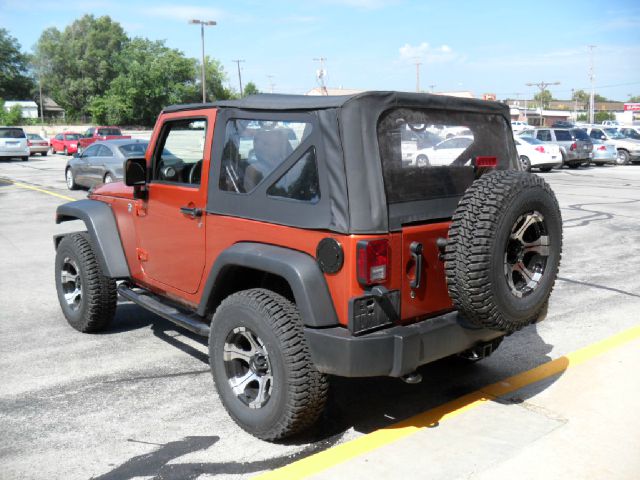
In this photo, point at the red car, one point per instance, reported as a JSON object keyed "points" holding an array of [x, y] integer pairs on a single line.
{"points": [[65, 142], [95, 134]]}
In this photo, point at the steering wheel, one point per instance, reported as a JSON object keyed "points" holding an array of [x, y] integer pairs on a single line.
{"points": [[195, 172]]}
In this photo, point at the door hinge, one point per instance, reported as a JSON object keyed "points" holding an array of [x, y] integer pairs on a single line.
{"points": [[143, 256], [141, 210]]}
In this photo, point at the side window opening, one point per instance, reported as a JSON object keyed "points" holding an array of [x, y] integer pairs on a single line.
{"points": [[254, 148], [300, 182], [178, 157]]}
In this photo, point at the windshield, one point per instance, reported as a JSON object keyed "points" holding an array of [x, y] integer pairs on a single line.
{"points": [[614, 133], [430, 153], [72, 136], [11, 133]]}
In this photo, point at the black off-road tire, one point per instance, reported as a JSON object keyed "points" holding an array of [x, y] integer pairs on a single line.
{"points": [[96, 304], [546, 169], [298, 391], [482, 246]]}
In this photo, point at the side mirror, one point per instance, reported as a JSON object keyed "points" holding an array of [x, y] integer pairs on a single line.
{"points": [[603, 137], [135, 172]]}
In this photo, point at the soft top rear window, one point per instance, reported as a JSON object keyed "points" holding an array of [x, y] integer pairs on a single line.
{"points": [[429, 154], [11, 133]]}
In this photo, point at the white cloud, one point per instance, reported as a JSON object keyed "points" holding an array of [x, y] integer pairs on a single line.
{"points": [[427, 53]]}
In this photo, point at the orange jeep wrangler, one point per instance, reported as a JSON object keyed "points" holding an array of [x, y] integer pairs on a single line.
{"points": [[360, 236]]}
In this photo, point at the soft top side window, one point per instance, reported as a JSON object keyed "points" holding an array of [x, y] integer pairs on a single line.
{"points": [[254, 148]]}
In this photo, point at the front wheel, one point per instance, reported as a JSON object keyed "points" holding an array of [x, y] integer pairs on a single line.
{"points": [[422, 161], [262, 366], [71, 180], [87, 297]]}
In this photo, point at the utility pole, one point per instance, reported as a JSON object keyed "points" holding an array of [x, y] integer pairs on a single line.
{"points": [[542, 86], [592, 77], [321, 74], [40, 88], [271, 84], [202, 23], [239, 76], [417, 63], [431, 87]]}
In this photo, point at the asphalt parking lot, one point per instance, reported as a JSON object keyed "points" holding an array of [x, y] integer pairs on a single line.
{"points": [[138, 401]]}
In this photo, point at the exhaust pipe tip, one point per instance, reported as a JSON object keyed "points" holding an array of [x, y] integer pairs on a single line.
{"points": [[412, 378]]}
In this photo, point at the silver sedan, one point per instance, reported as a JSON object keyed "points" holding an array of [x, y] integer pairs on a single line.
{"points": [[102, 162]]}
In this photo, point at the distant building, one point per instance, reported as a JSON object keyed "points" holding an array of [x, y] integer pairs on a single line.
{"points": [[459, 94], [489, 96], [51, 108], [29, 108]]}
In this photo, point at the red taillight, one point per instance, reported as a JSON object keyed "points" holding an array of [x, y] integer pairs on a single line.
{"points": [[486, 162], [602, 147], [540, 149], [29, 143], [573, 146], [372, 261]]}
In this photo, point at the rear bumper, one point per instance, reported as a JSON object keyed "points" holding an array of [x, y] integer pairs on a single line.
{"points": [[395, 351]]}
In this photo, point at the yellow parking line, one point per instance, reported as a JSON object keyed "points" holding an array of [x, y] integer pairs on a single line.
{"points": [[37, 189], [367, 443]]}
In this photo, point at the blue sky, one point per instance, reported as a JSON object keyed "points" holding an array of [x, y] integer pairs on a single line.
{"points": [[484, 46]]}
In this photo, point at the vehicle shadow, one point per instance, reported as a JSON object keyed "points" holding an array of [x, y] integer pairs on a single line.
{"points": [[368, 404]]}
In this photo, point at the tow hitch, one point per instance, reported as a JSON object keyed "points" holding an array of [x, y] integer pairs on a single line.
{"points": [[481, 350]]}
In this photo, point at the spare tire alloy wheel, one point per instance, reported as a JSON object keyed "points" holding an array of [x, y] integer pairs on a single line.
{"points": [[262, 366], [504, 249], [525, 257]]}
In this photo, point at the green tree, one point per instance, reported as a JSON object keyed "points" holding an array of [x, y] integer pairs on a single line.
{"points": [[580, 96], [151, 77], [215, 78], [78, 64], [251, 89], [15, 80], [10, 117], [634, 99], [543, 98], [599, 98]]}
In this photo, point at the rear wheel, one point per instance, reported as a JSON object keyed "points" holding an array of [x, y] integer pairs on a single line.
{"points": [[88, 298], [24, 159], [262, 367], [622, 158], [526, 163], [65, 151], [504, 248], [44, 154], [108, 178]]}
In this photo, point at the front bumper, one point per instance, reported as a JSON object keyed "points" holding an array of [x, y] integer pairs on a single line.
{"points": [[394, 351]]}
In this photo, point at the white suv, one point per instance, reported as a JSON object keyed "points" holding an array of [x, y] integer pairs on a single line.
{"points": [[13, 143]]}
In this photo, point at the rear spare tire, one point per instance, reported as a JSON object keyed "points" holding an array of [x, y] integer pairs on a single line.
{"points": [[504, 249]]}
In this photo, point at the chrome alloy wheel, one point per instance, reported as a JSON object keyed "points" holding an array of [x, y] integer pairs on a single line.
{"points": [[71, 283], [248, 367], [526, 254], [69, 177]]}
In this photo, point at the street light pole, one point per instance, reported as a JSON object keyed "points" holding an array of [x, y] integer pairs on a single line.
{"points": [[202, 23]]}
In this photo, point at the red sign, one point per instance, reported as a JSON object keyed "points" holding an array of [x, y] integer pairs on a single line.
{"points": [[632, 107]]}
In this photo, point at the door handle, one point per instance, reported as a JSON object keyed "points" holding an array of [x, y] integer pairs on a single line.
{"points": [[193, 212], [416, 253]]}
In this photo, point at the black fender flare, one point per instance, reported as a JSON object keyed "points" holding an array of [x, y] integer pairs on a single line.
{"points": [[103, 231], [300, 270]]}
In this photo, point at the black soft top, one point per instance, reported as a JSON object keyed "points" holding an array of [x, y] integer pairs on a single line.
{"points": [[354, 200], [374, 101]]}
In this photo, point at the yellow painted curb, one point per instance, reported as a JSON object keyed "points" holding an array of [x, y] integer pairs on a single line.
{"points": [[37, 189], [367, 443]]}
